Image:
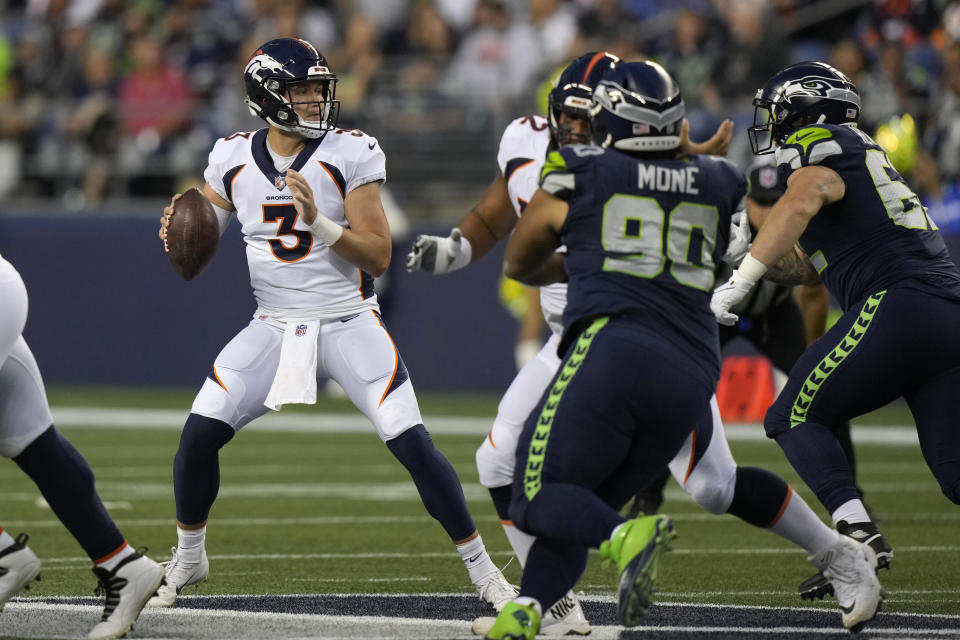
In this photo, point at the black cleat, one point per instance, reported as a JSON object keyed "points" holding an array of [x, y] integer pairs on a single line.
{"points": [[817, 587]]}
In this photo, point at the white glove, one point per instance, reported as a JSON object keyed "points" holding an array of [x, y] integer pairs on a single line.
{"points": [[739, 239], [440, 255], [728, 294]]}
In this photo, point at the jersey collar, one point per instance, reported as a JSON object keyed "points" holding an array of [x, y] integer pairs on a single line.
{"points": [[265, 163]]}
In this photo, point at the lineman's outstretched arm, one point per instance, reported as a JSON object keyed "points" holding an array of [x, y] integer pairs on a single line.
{"points": [[531, 254], [487, 223]]}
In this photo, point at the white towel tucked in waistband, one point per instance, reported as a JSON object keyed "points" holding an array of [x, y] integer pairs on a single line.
{"points": [[296, 378]]}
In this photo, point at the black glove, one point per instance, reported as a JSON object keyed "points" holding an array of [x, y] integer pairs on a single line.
{"points": [[763, 185]]}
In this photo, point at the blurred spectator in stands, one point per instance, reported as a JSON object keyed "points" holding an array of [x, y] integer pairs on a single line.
{"points": [[155, 107], [689, 56], [754, 53], [943, 133], [556, 29], [941, 198], [356, 65], [422, 50], [600, 22], [91, 124], [495, 64], [879, 94]]}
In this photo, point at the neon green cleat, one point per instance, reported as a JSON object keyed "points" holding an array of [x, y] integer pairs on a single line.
{"points": [[515, 622], [636, 548]]}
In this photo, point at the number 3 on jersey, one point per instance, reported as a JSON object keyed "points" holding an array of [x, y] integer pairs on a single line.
{"points": [[634, 225], [287, 215]]}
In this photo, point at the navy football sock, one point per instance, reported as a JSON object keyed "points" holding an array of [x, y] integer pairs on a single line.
{"points": [[196, 467], [758, 496], [436, 481], [567, 512], [816, 455], [553, 568], [501, 501], [66, 482]]}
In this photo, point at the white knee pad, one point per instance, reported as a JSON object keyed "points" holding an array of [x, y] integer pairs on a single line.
{"points": [[497, 456], [24, 412], [712, 480]]}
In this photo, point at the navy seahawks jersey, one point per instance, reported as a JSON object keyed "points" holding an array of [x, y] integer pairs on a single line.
{"points": [[644, 237], [878, 235]]}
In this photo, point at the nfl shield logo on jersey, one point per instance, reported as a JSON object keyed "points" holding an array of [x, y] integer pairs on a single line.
{"points": [[280, 182], [301, 330]]}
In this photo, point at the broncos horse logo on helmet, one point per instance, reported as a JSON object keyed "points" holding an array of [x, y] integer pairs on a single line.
{"points": [[572, 93], [637, 107], [273, 69], [802, 94]]}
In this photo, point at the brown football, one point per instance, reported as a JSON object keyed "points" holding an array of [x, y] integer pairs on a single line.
{"points": [[192, 235]]}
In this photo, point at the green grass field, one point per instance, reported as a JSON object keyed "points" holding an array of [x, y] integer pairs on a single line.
{"points": [[335, 513]]}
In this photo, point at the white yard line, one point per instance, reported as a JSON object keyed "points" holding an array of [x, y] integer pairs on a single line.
{"points": [[355, 423]]}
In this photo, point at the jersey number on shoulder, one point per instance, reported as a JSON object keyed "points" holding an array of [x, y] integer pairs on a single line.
{"points": [[634, 225], [902, 204], [287, 215]]}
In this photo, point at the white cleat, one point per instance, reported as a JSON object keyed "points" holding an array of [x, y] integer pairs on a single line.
{"points": [[565, 618], [850, 566], [180, 574], [127, 589], [18, 568], [494, 589]]}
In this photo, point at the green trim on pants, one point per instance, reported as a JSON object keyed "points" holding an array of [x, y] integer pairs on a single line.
{"points": [[538, 444], [820, 373]]}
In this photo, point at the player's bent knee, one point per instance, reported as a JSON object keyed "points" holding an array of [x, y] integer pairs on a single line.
{"points": [[494, 466], [777, 419], [710, 494], [952, 493], [202, 435]]}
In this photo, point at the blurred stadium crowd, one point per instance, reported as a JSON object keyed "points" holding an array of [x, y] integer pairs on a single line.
{"points": [[106, 100]]}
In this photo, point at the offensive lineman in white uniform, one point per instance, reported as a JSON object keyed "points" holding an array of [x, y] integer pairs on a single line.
{"points": [[704, 467], [28, 437], [308, 198]]}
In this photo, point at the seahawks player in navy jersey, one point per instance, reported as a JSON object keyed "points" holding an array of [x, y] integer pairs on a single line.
{"points": [[848, 218], [644, 227]]}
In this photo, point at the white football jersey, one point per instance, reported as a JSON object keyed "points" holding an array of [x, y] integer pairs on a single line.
{"points": [[523, 149], [290, 270]]}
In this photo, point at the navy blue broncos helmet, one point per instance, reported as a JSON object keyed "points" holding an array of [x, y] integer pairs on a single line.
{"points": [[572, 93], [277, 65], [802, 94], [637, 107]]}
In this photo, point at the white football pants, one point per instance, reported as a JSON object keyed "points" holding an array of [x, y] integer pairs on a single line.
{"points": [[710, 482], [356, 351], [24, 412]]}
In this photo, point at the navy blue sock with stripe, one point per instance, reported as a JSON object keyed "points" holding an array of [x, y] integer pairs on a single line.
{"points": [[196, 467], [758, 496], [66, 482], [436, 481], [817, 456]]}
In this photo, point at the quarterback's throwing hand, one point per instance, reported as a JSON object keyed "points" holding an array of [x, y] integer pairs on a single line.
{"points": [[438, 255], [302, 196], [727, 295]]}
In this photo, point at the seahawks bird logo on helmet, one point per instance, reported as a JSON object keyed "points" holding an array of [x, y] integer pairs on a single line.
{"points": [[277, 66], [637, 107], [802, 94]]}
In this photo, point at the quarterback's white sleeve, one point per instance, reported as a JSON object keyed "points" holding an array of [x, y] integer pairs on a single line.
{"points": [[214, 173], [368, 165]]}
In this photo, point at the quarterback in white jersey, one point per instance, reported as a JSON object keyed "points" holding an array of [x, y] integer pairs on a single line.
{"points": [[28, 437], [705, 470], [307, 196]]}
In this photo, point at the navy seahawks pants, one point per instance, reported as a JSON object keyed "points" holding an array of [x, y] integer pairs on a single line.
{"points": [[616, 413], [896, 342]]}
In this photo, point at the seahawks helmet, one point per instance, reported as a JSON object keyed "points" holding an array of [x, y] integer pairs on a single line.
{"points": [[572, 92], [802, 94], [637, 107], [273, 69]]}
